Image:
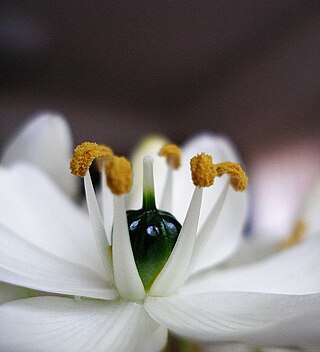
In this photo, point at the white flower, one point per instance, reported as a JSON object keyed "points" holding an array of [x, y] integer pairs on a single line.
{"points": [[64, 291]]}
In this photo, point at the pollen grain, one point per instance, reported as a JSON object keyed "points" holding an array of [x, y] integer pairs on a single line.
{"points": [[173, 155], [84, 154]]}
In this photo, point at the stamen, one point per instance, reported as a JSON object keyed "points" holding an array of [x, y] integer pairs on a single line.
{"points": [[106, 202], [84, 154], [203, 172], [295, 237], [148, 184], [173, 154], [119, 174], [238, 180]]}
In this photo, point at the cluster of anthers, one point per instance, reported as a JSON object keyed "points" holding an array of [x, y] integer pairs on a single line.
{"points": [[153, 233], [119, 171]]}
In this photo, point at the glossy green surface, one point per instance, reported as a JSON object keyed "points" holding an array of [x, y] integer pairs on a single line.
{"points": [[153, 234]]}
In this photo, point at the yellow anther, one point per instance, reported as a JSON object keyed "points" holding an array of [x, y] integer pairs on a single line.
{"points": [[173, 154], [84, 154], [238, 178], [295, 236], [119, 174], [203, 170]]}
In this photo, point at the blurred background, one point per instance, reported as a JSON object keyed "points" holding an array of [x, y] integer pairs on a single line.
{"points": [[118, 70]]}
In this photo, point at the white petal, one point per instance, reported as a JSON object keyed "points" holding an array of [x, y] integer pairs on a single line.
{"points": [[239, 316], [311, 209], [239, 347], [153, 336], [46, 142], [148, 146], [217, 240], [126, 274], [11, 292], [24, 264], [254, 248], [36, 209], [230, 347], [299, 332], [222, 150], [292, 271], [98, 229], [176, 269], [54, 324]]}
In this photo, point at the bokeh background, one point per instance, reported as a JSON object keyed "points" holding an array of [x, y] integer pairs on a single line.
{"points": [[118, 70]]}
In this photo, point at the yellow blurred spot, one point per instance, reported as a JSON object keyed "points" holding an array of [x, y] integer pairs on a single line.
{"points": [[173, 154], [296, 235]]}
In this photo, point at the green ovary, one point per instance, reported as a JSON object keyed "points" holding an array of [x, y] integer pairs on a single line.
{"points": [[153, 234]]}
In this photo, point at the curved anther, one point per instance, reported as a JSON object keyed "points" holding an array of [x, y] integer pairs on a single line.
{"points": [[84, 154]]}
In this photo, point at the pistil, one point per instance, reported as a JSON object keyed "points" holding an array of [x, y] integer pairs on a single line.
{"points": [[148, 184]]}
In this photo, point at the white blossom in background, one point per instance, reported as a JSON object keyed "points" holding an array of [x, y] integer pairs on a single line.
{"points": [[307, 223], [63, 290]]}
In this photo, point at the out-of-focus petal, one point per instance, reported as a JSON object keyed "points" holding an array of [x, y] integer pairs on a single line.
{"points": [[253, 249], [62, 324], [148, 146], [222, 150], [292, 271], [33, 207], [310, 211], [23, 263], [248, 317], [46, 142]]}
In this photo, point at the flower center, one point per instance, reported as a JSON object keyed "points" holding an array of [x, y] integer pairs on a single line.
{"points": [[153, 233]]}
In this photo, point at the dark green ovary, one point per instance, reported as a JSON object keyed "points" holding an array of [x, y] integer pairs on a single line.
{"points": [[153, 234]]}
